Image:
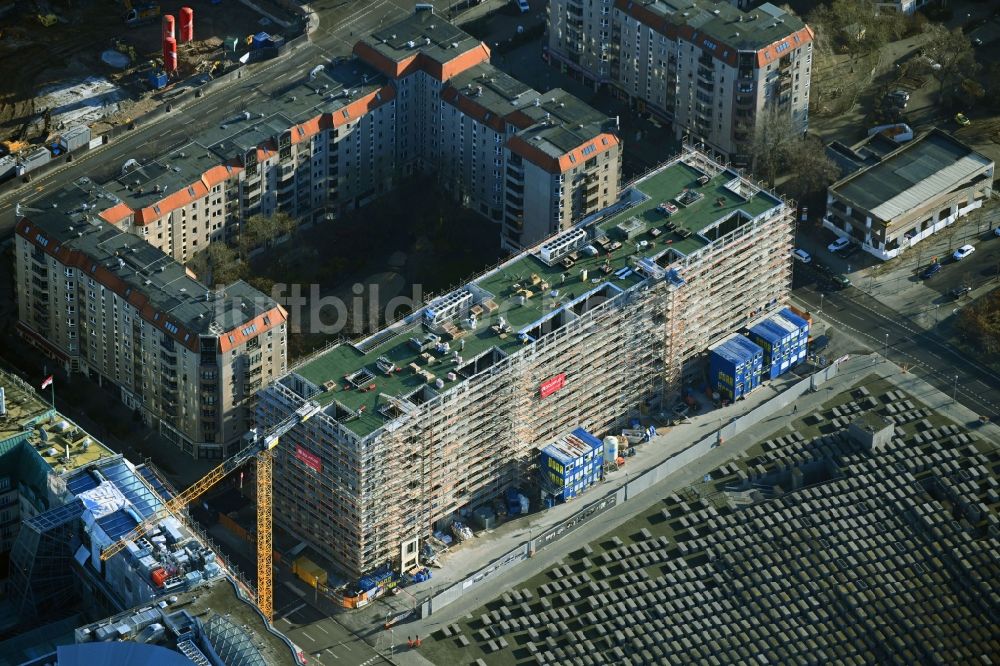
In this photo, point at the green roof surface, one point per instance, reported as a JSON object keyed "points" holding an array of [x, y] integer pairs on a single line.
{"points": [[563, 286]]}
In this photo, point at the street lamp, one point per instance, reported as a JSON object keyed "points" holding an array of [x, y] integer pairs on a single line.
{"points": [[954, 391], [885, 348], [822, 296]]}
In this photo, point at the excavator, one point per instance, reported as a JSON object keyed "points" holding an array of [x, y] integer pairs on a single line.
{"points": [[260, 449], [140, 14]]}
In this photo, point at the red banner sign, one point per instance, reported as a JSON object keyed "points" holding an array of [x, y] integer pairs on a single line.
{"points": [[310, 459], [552, 384]]}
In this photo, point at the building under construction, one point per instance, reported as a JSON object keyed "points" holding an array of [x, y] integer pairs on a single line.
{"points": [[446, 409]]}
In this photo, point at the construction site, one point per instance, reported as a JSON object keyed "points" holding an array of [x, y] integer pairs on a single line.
{"points": [[599, 326], [102, 64], [858, 528]]}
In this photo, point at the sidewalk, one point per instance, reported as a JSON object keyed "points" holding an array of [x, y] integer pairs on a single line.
{"points": [[485, 548], [895, 282], [852, 372]]}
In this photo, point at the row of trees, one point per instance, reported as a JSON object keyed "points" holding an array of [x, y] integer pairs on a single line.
{"points": [[777, 148], [220, 264]]}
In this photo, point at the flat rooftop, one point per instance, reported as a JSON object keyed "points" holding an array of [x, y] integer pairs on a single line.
{"points": [[494, 90], [65, 446], [916, 172], [325, 89], [562, 122], [720, 20], [421, 32], [23, 405], [68, 217], [145, 185], [715, 212], [231, 623]]}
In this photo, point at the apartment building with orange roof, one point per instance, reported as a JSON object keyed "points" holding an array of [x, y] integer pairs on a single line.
{"points": [[459, 117], [711, 69], [420, 96], [105, 304]]}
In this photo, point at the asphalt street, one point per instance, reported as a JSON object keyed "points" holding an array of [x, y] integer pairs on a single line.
{"points": [[907, 344], [342, 22]]}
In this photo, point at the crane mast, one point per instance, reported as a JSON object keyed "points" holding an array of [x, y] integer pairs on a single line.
{"points": [[261, 449]]}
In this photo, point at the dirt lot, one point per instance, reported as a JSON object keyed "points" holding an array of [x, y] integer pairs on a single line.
{"points": [[34, 57]]}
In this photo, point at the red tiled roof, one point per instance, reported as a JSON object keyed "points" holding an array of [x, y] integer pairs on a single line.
{"points": [[719, 49], [100, 273], [563, 163], [116, 213], [769, 54], [361, 106], [441, 71], [232, 339]]}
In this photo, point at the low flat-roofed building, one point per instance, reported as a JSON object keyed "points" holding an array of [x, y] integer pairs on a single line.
{"points": [[909, 194], [37, 444], [213, 623]]}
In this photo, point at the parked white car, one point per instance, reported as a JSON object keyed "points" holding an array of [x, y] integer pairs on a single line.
{"points": [[801, 255], [963, 252], [838, 244]]}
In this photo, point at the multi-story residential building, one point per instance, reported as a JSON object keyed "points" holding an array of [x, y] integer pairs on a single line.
{"points": [[714, 71], [108, 305], [445, 410], [178, 205], [486, 134], [563, 167], [904, 196], [414, 99], [418, 97]]}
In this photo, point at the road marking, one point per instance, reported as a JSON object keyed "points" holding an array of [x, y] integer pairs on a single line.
{"points": [[332, 653], [311, 639], [294, 610], [343, 644], [320, 627]]}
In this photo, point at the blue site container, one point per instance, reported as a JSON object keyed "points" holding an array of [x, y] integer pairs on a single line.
{"points": [[260, 40], [735, 367], [800, 345], [157, 80], [572, 464], [784, 338]]}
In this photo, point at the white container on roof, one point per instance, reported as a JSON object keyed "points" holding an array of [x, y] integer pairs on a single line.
{"points": [[558, 247]]}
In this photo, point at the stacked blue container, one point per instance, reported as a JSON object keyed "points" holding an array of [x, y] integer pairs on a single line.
{"points": [[572, 464], [784, 337], [734, 367], [799, 347]]}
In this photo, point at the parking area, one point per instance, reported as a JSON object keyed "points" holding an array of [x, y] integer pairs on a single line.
{"points": [[899, 283]]}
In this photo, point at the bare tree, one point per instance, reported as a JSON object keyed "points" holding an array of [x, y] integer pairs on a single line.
{"points": [[955, 60], [217, 264], [810, 170], [262, 230], [772, 133]]}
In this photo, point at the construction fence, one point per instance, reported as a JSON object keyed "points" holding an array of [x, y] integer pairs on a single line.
{"points": [[631, 489]]}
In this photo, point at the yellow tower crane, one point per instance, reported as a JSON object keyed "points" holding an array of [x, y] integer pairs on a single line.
{"points": [[260, 449]]}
